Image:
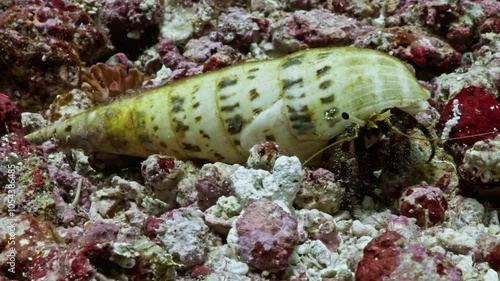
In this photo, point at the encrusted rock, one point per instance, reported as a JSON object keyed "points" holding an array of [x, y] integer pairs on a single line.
{"points": [[427, 204], [320, 190], [266, 235]]}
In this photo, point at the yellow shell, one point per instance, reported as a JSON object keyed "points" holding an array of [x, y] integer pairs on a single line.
{"points": [[296, 101]]}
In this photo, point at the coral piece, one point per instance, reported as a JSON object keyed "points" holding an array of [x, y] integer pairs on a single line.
{"points": [[171, 180], [239, 28], [493, 258], [320, 190], [131, 16], [186, 19], [10, 119], [117, 198], [437, 14], [212, 182], [479, 75], [161, 174], [108, 81], [68, 104], [482, 161], [471, 112], [268, 6], [263, 155], [360, 9], [490, 25], [426, 204], [315, 225], [381, 257], [221, 216], [401, 12], [266, 235], [413, 44], [99, 232], [391, 256], [43, 46], [315, 28], [201, 271], [185, 235], [282, 185], [479, 176], [213, 55], [32, 122], [171, 58]]}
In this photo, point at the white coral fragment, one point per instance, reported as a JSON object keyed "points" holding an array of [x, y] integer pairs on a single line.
{"points": [[483, 160], [282, 185]]}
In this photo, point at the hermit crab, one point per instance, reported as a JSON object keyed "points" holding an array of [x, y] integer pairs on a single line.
{"points": [[300, 101]]}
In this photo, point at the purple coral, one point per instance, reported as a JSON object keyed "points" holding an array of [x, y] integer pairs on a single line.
{"points": [[427, 204], [10, 118], [267, 235], [392, 256], [99, 232], [318, 28], [240, 28], [415, 45], [43, 45], [171, 58], [477, 113], [381, 257], [211, 184], [213, 55]]}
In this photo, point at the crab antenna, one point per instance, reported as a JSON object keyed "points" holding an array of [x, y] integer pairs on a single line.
{"points": [[422, 128], [330, 146]]}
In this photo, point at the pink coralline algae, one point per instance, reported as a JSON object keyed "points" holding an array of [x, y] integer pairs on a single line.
{"points": [[19, 145], [317, 28], [211, 184], [212, 55], [391, 256], [37, 237], [319, 226], [490, 25], [472, 112], [10, 118], [414, 45], [184, 235], [427, 204], [161, 174], [267, 235], [493, 258], [357, 9], [479, 171], [201, 55], [99, 232], [43, 45], [381, 257], [240, 28], [320, 190], [171, 58], [437, 14], [263, 155]]}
